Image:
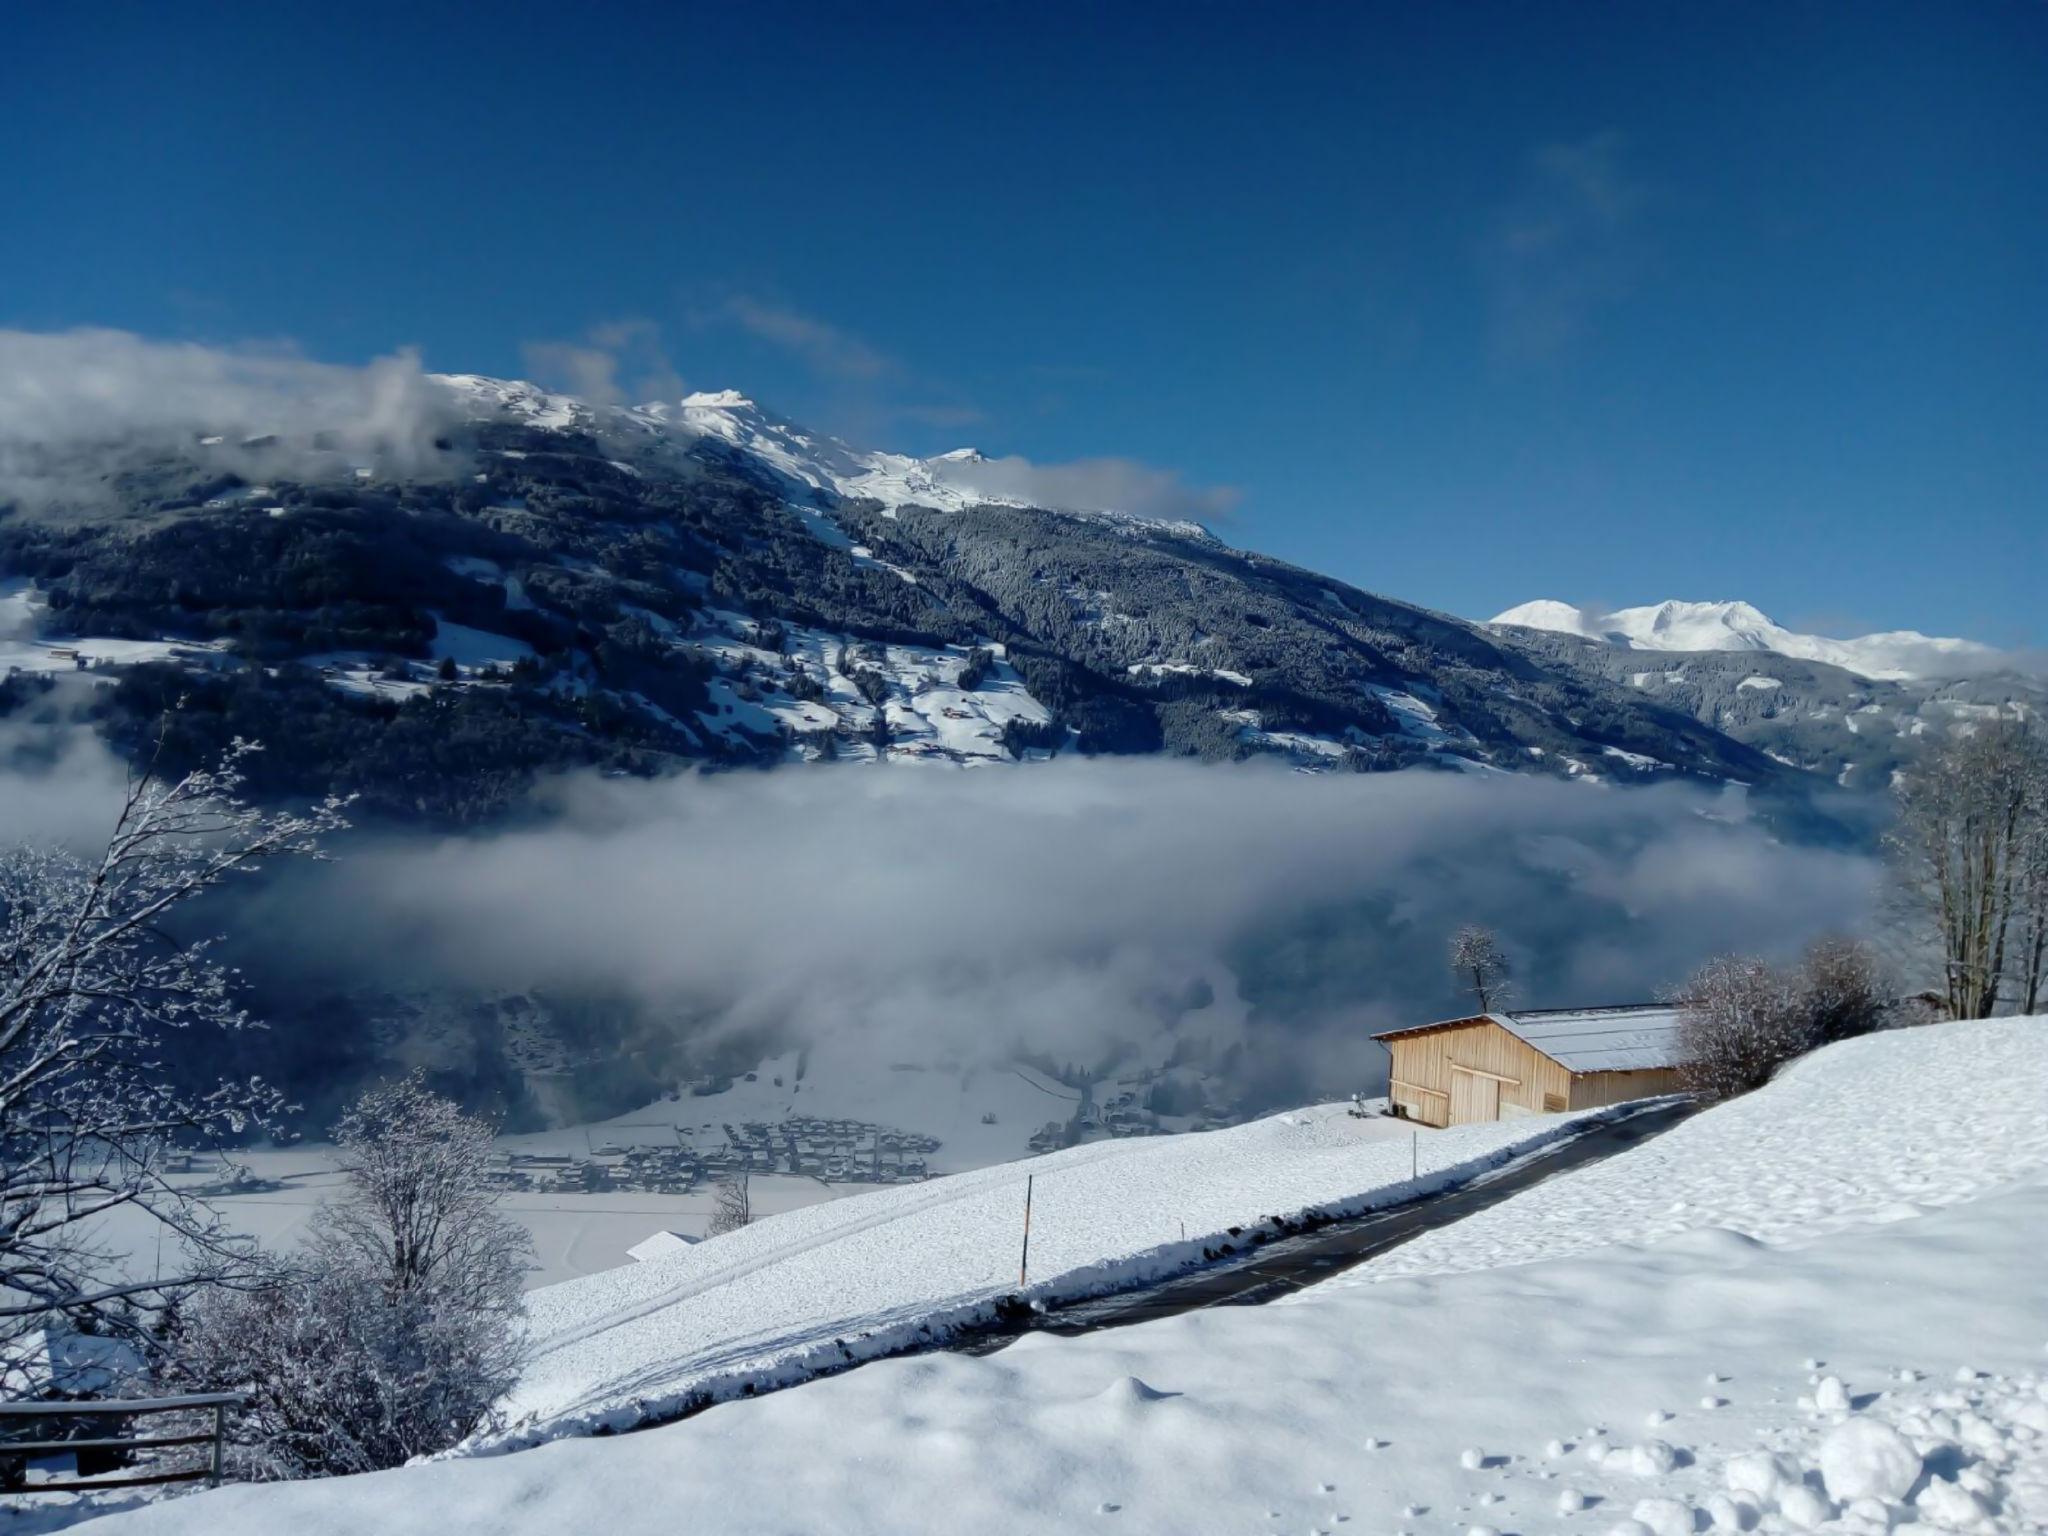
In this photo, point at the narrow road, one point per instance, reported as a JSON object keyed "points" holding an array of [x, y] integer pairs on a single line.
{"points": [[1291, 1264], [1273, 1269]]}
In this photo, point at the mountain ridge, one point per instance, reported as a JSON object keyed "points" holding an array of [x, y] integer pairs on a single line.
{"points": [[542, 582], [1903, 655]]}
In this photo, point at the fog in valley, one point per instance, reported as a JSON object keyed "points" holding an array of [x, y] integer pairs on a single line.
{"points": [[1249, 922]]}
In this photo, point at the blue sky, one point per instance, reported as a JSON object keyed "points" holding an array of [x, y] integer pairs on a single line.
{"points": [[1465, 304]]}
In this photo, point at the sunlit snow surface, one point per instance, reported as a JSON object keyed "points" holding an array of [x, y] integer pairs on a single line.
{"points": [[1752, 1316], [775, 1301]]}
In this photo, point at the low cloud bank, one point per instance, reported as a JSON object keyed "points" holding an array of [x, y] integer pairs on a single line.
{"points": [[1090, 485], [1257, 922], [79, 408]]}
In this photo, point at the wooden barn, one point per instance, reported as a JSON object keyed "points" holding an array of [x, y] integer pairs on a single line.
{"points": [[1493, 1066]]}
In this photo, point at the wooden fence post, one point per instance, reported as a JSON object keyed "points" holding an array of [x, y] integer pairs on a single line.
{"points": [[220, 1431], [1024, 1263]]}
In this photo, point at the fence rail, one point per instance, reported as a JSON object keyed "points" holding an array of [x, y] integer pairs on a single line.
{"points": [[109, 1408]]}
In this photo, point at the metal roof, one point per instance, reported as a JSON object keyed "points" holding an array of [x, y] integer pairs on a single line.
{"points": [[1634, 1038]]}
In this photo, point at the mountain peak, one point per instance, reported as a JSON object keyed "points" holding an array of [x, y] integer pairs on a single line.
{"points": [[1732, 625], [720, 399]]}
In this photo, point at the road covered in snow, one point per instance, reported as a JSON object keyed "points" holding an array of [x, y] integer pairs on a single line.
{"points": [[1818, 1308]]}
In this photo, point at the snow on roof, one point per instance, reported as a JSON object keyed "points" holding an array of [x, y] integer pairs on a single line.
{"points": [[1632, 1038], [660, 1245]]}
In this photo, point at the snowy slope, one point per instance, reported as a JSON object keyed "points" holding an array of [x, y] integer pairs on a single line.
{"points": [[1863, 1370], [776, 1300], [1734, 626], [1772, 1167]]}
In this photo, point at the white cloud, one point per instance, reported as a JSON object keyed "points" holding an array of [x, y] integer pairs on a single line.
{"points": [[77, 407], [1079, 909], [1109, 484], [825, 347], [618, 362]]}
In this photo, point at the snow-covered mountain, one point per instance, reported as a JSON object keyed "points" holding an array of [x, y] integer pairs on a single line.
{"points": [[636, 588], [809, 464], [1894, 656]]}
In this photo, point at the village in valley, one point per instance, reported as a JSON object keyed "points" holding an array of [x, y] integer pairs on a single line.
{"points": [[757, 1132], [667, 1161]]}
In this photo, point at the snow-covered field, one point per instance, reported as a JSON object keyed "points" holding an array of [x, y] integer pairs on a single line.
{"points": [[574, 1232], [979, 1113], [865, 1276], [1732, 1342]]}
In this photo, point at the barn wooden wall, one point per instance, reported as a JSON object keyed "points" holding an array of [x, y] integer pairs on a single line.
{"points": [[1423, 1063], [1596, 1088]]}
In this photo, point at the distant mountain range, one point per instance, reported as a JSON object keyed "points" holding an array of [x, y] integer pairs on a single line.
{"points": [[1850, 711], [541, 582], [544, 582], [1895, 656]]}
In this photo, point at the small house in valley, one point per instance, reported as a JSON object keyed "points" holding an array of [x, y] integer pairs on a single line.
{"points": [[1493, 1066]]}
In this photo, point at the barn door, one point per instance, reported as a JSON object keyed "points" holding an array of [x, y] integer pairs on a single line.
{"points": [[1473, 1097]]}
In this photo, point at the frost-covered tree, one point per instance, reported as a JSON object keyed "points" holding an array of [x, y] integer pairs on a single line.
{"points": [[396, 1329], [1846, 989], [1481, 967], [733, 1207], [98, 986], [1971, 822], [2030, 950], [421, 1214], [1741, 1018]]}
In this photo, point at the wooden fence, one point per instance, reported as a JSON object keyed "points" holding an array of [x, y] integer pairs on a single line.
{"points": [[216, 1437]]}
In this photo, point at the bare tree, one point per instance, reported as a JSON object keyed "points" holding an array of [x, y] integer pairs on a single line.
{"points": [[1741, 1018], [2030, 968], [1846, 989], [1739, 1021], [734, 1208], [395, 1331], [1481, 967], [1970, 823], [95, 982], [421, 1214]]}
